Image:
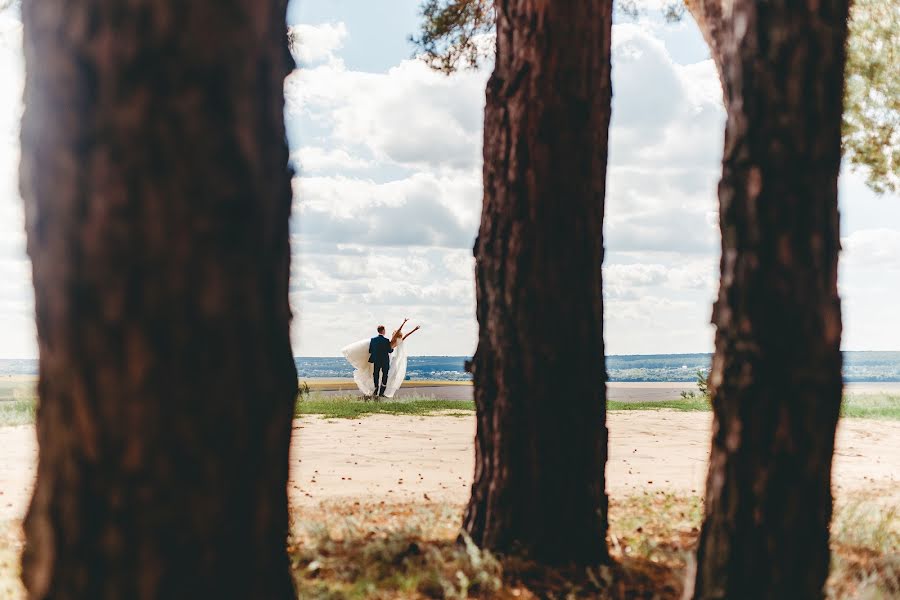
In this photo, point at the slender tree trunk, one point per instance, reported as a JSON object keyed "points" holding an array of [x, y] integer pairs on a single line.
{"points": [[776, 374], [154, 172], [539, 368]]}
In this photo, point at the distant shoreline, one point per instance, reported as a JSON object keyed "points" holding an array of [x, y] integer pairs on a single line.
{"points": [[337, 383]]}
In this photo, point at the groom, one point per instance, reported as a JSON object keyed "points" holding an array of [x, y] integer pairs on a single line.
{"points": [[379, 349]]}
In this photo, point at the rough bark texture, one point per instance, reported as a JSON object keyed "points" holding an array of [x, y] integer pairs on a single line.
{"points": [[776, 376], [539, 368], [710, 16], [154, 172]]}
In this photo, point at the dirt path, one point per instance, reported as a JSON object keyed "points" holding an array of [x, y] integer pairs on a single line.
{"points": [[399, 458]]}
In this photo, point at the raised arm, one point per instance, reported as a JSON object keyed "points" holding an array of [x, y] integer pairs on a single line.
{"points": [[411, 332], [398, 335]]}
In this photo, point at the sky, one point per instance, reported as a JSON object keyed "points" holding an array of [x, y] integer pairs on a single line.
{"points": [[388, 193]]}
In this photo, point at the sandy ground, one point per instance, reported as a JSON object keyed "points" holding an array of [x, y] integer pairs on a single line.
{"points": [[401, 458]]}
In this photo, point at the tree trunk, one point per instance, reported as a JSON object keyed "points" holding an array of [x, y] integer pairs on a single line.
{"points": [[539, 368], [154, 173], [776, 375]]}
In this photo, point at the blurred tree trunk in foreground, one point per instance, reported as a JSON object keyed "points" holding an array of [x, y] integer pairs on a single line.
{"points": [[154, 172], [776, 376], [539, 377]]}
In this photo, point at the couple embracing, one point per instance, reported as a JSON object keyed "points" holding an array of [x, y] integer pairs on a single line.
{"points": [[379, 363]]}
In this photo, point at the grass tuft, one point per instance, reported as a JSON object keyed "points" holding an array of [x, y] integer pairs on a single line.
{"points": [[351, 550], [17, 412], [865, 552], [410, 551], [416, 551]]}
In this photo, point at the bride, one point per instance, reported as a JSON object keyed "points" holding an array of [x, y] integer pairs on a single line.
{"points": [[357, 354]]}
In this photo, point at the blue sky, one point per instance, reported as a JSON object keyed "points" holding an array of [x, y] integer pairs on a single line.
{"points": [[381, 29], [388, 193]]}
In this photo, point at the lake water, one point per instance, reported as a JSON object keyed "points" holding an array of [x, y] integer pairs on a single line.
{"points": [[858, 367]]}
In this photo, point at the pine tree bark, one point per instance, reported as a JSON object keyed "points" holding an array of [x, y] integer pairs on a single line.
{"points": [[541, 442], [157, 193], [776, 375]]}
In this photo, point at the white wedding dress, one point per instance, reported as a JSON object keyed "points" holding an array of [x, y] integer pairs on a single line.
{"points": [[357, 354]]}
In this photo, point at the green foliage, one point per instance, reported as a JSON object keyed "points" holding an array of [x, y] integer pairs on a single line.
{"points": [[672, 11], [872, 115], [703, 383], [453, 32], [702, 387]]}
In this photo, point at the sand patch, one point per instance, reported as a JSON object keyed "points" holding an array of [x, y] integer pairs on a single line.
{"points": [[406, 459]]}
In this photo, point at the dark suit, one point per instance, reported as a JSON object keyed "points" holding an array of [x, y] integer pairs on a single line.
{"points": [[379, 355]]}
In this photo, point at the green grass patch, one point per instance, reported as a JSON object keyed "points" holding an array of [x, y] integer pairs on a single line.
{"points": [[698, 404], [17, 390], [353, 407], [874, 406], [870, 406], [17, 412]]}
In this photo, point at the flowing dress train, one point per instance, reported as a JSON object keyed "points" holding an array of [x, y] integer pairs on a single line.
{"points": [[357, 354]]}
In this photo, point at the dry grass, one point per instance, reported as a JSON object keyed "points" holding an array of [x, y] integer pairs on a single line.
{"points": [[386, 551], [380, 551], [865, 551], [405, 563]]}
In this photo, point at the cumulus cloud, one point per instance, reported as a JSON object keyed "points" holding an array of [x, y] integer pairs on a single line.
{"points": [[311, 44], [421, 210], [315, 160], [16, 296], [390, 182], [388, 200], [409, 116]]}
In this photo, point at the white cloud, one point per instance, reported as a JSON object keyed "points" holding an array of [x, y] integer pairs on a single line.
{"points": [[316, 43], [388, 200], [421, 210], [409, 116], [16, 296], [311, 159], [873, 249], [398, 191]]}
